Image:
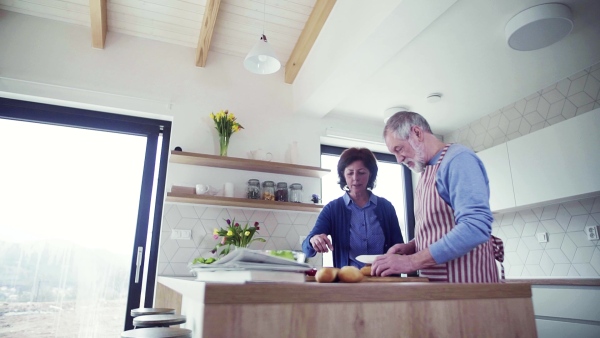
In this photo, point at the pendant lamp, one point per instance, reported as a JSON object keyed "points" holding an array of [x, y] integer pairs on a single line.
{"points": [[262, 59]]}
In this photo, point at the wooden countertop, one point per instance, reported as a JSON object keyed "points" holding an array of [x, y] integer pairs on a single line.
{"points": [[266, 293], [557, 281]]}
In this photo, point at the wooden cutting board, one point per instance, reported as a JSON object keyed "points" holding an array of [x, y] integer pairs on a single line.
{"points": [[371, 279]]}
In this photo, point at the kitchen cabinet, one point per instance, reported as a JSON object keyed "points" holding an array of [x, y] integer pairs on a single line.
{"points": [[497, 166], [557, 163], [243, 164], [349, 309]]}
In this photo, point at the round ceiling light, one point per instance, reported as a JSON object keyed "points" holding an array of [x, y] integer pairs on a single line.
{"points": [[435, 97], [539, 26], [391, 111]]}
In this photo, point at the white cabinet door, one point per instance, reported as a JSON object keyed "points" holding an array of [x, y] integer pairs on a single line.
{"points": [[557, 163], [497, 167]]}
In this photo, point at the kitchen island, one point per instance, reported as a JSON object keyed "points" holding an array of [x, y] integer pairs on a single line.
{"points": [[349, 310]]}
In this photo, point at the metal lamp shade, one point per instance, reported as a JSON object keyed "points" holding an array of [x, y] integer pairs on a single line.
{"points": [[261, 59]]}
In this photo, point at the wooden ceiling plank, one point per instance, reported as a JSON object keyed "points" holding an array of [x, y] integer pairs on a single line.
{"points": [[98, 22], [307, 38], [206, 31]]}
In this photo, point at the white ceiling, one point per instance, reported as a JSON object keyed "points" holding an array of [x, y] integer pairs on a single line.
{"points": [[370, 55]]}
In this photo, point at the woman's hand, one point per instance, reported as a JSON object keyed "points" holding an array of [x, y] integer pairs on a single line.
{"points": [[321, 243], [403, 249]]}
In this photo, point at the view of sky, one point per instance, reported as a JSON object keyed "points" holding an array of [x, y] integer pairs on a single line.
{"points": [[78, 185]]}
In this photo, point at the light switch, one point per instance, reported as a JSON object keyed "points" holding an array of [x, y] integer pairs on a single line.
{"points": [[542, 237]]}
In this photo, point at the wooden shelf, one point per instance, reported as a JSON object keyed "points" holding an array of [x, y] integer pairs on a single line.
{"points": [[246, 164], [241, 202]]}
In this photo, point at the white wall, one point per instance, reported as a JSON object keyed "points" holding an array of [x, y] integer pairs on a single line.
{"points": [[53, 62]]}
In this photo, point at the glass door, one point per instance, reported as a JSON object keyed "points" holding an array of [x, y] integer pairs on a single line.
{"points": [[79, 204]]}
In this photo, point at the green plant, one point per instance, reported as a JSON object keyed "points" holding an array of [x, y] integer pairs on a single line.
{"points": [[235, 235]]}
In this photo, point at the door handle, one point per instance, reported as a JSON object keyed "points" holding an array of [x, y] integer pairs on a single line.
{"points": [[138, 263]]}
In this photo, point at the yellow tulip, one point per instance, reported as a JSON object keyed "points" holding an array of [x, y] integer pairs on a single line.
{"points": [[215, 231], [229, 233], [247, 233]]}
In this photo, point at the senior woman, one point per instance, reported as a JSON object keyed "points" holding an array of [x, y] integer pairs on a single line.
{"points": [[359, 222]]}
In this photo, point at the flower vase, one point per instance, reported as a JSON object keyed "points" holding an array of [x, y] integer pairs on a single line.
{"points": [[223, 144]]}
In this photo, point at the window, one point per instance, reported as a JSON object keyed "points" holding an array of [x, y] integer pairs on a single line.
{"points": [[393, 183]]}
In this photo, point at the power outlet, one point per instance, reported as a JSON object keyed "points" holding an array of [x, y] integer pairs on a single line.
{"points": [[542, 237], [181, 234], [592, 232]]}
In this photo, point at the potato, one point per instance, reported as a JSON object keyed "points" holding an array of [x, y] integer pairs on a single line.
{"points": [[327, 275], [350, 274], [366, 270]]}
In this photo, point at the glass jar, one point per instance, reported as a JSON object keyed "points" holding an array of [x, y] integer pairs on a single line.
{"points": [[281, 194], [253, 190], [268, 190], [296, 193]]}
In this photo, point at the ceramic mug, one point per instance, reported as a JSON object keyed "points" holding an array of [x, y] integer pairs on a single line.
{"points": [[202, 189]]}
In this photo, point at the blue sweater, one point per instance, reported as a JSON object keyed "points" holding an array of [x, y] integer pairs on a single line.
{"points": [[462, 182], [334, 220]]}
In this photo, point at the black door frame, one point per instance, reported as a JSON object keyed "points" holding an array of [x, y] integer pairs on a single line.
{"points": [[125, 124]]}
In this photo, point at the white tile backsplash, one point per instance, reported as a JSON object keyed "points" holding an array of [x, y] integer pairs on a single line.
{"points": [[567, 253], [281, 229]]}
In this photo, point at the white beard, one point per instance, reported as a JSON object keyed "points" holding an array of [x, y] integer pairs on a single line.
{"points": [[419, 160]]}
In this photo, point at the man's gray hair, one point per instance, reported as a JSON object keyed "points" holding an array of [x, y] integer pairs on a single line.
{"points": [[401, 123]]}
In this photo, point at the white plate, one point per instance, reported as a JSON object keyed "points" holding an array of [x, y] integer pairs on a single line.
{"points": [[367, 259]]}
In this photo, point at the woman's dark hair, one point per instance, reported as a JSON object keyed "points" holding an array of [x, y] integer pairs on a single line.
{"points": [[351, 155]]}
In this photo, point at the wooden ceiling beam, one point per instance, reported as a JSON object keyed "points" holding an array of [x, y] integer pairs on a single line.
{"points": [[98, 22], [307, 38], [206, 31]]}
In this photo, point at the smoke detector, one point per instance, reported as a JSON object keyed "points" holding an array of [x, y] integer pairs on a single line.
{"points": [[433, 98]]}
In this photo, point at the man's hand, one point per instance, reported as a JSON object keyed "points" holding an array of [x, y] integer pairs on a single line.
{"points": [[403, 249], [321, 243], [392, 264]]}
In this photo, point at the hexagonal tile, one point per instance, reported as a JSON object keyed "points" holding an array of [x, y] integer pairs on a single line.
{"points": [[568, 248], [302, 219], [186, 224], [580, 239], [563, 217], [509, 232], [549, 212], [508, 218], [530, 229], [534, 257], [560, 270], [281, 230], [563, 86], [212, 213], [573, 272], [187, 211], [595, 261], [577, 84], [578, 223], [183, 255], [524, 127], [556, 120], [552, 226], [581, 99], [532, 104], [280, 243], [553, 96], [592, 86], [515, 271], [238, 214], [535, 270], [554, 241], [585, 108], [585, 270], [172, 217], [282, 217], [534, 118], [546, 264], [587, 204], [555, 109], [528, 216], [557, 256], [270, 224], [510, 244], [583, 255]]}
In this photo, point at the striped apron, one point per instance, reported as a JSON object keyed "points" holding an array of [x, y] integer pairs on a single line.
{"points": [[434, 218]]}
